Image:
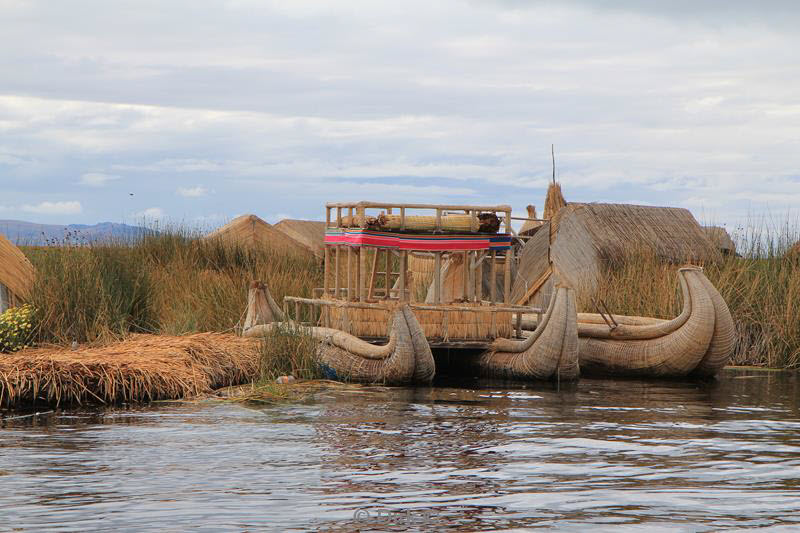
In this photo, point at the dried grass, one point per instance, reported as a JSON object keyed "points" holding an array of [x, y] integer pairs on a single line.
{"points": [[142, 368], [762, 290], [171, 283]]}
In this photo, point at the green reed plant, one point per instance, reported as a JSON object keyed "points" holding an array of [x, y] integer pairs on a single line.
{"points": [[169, 282], [289, 350], [761, 286]]}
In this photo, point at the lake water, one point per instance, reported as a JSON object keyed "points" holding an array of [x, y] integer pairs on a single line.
{"points": [[613, 454]]}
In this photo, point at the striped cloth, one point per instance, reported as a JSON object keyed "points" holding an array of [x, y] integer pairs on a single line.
{"points": [[401, 241]]}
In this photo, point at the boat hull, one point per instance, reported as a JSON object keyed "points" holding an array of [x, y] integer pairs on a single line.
{"points": [[548, 353]]}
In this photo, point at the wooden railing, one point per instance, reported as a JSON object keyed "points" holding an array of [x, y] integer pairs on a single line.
{"points": [[315, 311]]}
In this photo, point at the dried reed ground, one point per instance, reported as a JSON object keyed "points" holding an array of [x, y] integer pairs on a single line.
{"points": [[141, 368]]}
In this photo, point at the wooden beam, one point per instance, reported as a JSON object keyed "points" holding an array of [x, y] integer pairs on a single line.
{"points": [[478, 278], [403, 268], [387, 273], [372, 274], [349, 272], [507, 276], [361, 274], [326, 274], [336, 274], [437, 278], [493, 278], [465, 276], [536, 286]]}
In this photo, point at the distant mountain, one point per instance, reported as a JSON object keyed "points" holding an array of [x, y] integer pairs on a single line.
{"points": [[32, 234]]}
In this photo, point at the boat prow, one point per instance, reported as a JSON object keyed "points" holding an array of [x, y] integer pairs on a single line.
{"points": [[549, 352], [405, 359], [698, 342]]}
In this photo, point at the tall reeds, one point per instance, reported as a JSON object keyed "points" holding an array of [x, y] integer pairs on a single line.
{"points": [[761, 287], [170, 282]]}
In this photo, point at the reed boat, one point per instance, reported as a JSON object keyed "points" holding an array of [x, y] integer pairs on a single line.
{"points": [[372, 327], [698, 342]]}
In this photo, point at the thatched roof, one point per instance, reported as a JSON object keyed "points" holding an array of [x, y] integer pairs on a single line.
{"points": [[16, 272], [721, 239], [309, 233], [249, 230], [583, 239], [554, 201], [530, 226]]}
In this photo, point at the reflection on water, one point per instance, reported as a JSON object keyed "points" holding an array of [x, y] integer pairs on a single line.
{"points": [[609, 453]]}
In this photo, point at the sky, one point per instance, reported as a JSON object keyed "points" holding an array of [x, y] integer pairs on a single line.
{"points": [[194, 112]]}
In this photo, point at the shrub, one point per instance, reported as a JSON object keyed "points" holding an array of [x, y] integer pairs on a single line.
{"points": [[16, 328]]}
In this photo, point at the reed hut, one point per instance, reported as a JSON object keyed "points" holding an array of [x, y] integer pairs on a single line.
{"points": [[720, 238], [309, 233], [16, 275], [530, 226], [582, 240], [251, 231]]}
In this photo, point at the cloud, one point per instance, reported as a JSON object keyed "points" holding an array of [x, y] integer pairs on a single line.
{"points": [[54, 208], [96, 179], [151, 213], [193, 192], [664, 103]]}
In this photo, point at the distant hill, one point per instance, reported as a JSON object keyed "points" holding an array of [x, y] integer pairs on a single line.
{"points": [[32, 234]]}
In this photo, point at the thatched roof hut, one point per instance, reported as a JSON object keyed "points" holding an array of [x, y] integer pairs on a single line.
{"points": [[309, 233], [530, 226], [721, 239], [581, 240], [250, 230], [16, 275]]}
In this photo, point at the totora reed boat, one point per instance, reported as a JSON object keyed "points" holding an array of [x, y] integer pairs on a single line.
{"points": [[373, 326], [698, 342]]}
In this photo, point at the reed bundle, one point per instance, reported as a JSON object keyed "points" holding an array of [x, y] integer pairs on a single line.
{"points": [[554, 200], [480, 223], [142, 368], [421, 269]]}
